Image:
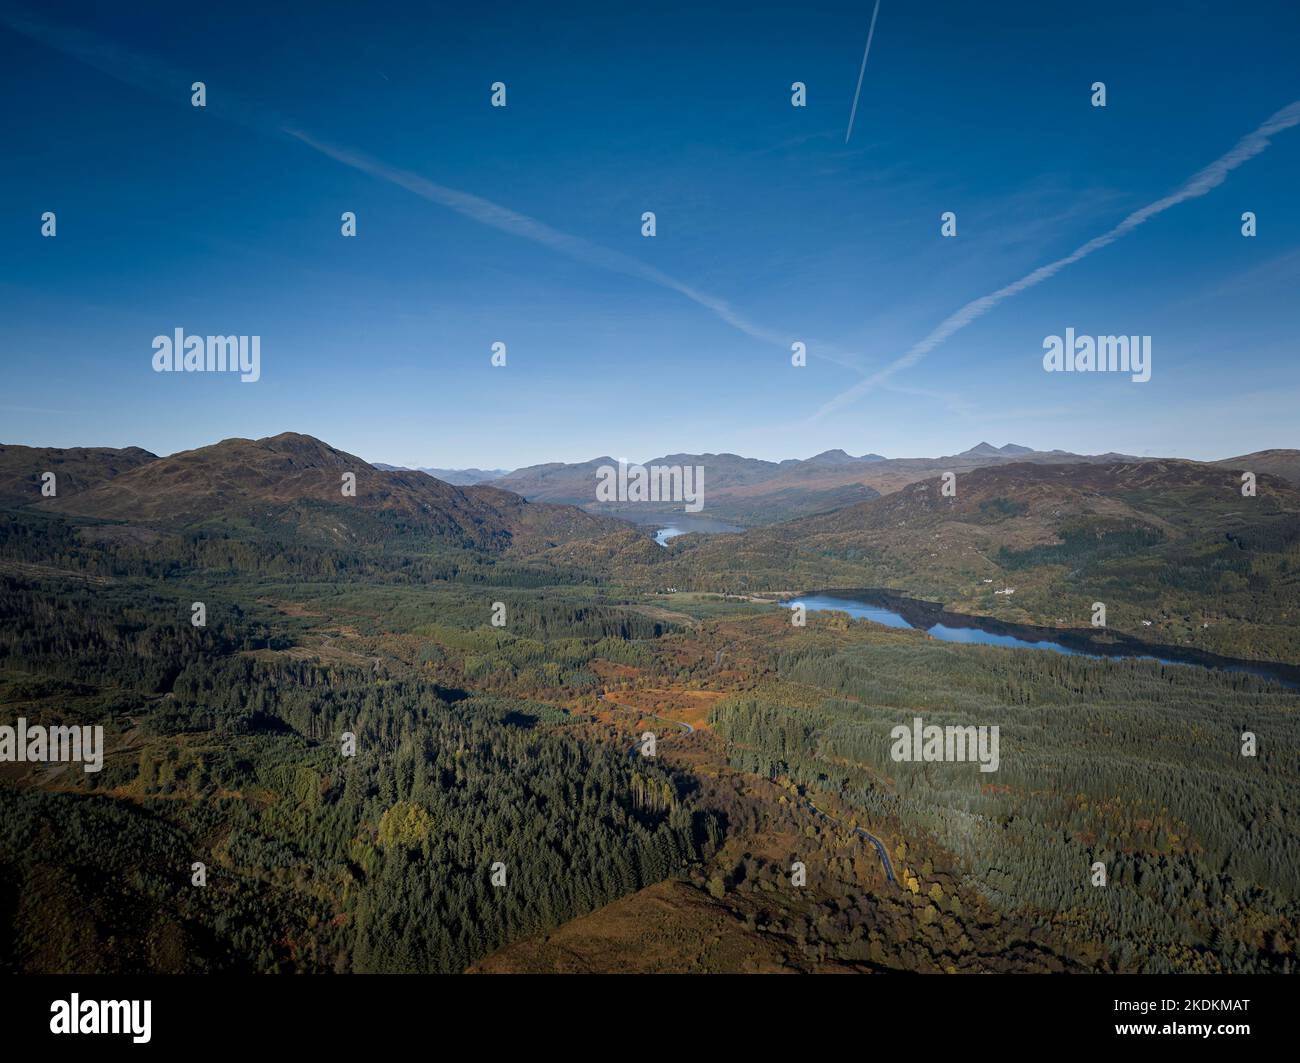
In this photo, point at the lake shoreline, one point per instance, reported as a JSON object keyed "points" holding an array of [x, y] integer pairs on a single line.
{"points": [[922, 615]]}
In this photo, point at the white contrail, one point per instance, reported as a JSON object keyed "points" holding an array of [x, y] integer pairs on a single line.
{"points": [[152, 76], [866, 52], [486, 212], [1197, 185]]}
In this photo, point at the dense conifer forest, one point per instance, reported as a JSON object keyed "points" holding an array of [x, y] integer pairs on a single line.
{"points": [[496, 791]]}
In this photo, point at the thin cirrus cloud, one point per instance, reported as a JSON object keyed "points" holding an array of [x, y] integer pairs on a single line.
{"points": [[155, 77], [1195, 186]]}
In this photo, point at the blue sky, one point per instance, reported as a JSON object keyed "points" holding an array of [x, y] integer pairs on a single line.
{"points": [[770, 228]]}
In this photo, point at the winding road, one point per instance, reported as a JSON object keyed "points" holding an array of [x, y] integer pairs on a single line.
{"points": [[880, 846]]}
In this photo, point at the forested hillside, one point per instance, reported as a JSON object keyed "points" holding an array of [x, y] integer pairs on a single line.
{"points": [[495, 810], [225, 748]]}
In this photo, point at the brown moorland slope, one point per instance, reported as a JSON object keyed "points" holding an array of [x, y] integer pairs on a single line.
{"points": [[1283, 463], [76, 469], [296, 480]]}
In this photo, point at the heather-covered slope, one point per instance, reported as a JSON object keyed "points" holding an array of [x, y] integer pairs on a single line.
{"points": [[297, 481], [76, 469]]}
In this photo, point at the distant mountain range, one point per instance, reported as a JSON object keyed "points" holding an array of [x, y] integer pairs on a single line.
{"points": [[456, 477], [238, 475], [751, 491], [988, 450]]}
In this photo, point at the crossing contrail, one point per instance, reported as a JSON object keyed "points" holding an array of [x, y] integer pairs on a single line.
{"points": [[157, 78], [1195, 186]]}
